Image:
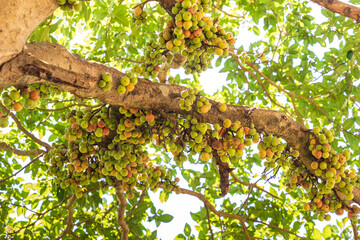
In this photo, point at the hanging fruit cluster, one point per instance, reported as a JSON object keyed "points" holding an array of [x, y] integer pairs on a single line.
{"points": [[188, 99], [139, 16], [107, 145], [189, 34], [100, 147], [195, 35], [153, 57], [329, 170], [16, 99]]}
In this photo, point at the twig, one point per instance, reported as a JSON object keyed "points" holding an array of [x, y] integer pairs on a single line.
{"points": [[35, 159], [252, 185], [51, 18], [143, 3], [108, 211], [252, 65], [142, 195], [129, 60], [43, 121], [19, 125], [228, 14], [245, 230], [246, 200], [121, 212], [261, 84], [74, 235], [296, 111], [41, 215], [9, 148], [208, 217], [229, 215]]}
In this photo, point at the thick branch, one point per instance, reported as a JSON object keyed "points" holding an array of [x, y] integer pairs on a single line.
{"points": [[53, 64], [342, 8], [13, 33], [121, 212]]}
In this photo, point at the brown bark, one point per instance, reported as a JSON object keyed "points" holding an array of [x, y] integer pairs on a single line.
{"points": [[53, 64], [342, 8], [19, 18]]}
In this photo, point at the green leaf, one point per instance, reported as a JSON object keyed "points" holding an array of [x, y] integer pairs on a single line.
{"points": [[164, 196], [349, 123], [60, 194], [350, 54], [256, 30], [42, 34], [53, 137], [316, 234], [166, 218], [326, 232], [187, 230]]}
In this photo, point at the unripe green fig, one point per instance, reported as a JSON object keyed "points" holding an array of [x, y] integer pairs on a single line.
{"points": [[107, 77], [78, 7]]}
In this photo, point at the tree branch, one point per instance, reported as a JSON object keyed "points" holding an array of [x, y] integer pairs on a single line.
{"points": [[74, 235], [252, 185], [142, 196], [80, 77], [342, 8], [20, 126], [14, 33], [35, 159], [355, 230], [9, 148], [209, 223], [121, 212], [69, 223], [245, 230]]}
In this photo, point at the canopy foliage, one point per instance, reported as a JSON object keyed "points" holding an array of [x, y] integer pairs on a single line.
{"points": [[104, 101]]}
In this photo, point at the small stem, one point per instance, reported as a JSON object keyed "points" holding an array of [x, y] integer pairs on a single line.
{"points": [[35, 159], [208, 217], [19, 125]]}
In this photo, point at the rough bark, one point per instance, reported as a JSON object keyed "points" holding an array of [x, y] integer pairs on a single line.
{"points": [[342, 8], [53, 64], [19, 18]]}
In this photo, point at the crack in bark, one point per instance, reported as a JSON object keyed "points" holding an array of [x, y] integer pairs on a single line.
{"points": [[30, 69]]}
